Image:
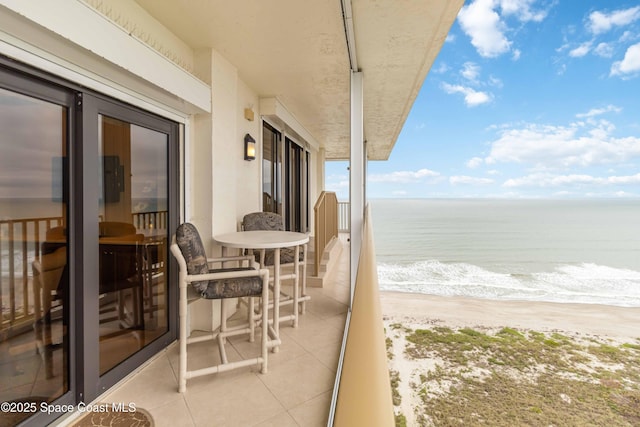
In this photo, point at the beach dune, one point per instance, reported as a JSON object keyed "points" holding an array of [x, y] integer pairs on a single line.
{"points": [[584, 323]]}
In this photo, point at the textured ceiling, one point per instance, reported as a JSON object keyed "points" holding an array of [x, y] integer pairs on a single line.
{"points": [[296, 51]]}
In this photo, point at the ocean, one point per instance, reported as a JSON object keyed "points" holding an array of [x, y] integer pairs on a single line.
{"points": [[568, 251]]}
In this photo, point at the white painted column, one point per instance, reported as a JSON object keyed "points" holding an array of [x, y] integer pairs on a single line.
{"points": [[357, 174]]}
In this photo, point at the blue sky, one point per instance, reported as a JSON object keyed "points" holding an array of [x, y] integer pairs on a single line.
{"points": [[527, 99]]}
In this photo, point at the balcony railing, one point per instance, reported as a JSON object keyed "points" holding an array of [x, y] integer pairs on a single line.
{"points": [[20, 245], [362, 396], [150, 220], [343, 217], [326, 224]]}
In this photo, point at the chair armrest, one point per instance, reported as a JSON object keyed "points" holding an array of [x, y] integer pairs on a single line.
{"points": [[252, 262], [230, 258], [36, 267], [226, 275]]}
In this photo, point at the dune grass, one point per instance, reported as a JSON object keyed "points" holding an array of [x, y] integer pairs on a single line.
{"points": [[510, 377]]}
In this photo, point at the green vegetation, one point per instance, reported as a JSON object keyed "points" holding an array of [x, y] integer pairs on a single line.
{"points": [[633, 346], [395, 380], [512, 377], [394, 376]]}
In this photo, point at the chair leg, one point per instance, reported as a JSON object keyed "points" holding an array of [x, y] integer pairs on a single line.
{"points": [[304, 280], [296, 285], [265, 322], [223, 317], [252, 323], [182, 376]]}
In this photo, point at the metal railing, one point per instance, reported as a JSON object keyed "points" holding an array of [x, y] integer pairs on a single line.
{"points": [[326, 224], [344, 222], [362, 396]]}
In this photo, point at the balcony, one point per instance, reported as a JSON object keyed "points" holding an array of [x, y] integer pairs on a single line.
{"points": [[296, 391]]}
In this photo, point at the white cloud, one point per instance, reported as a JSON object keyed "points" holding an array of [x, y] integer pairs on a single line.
{"points": [[573, 180], [522, 9], [480, 22], [630, 64], [486, 28], [338, 184], [516, 54], [442, 68], [632, 179], [604, 50], [627, 36], [581, 50], [600, 22], [472, 97], [494, 81], [469, 180], [470, 71], [474, 163], [547, 147], [404, 176], [598, 111], [561, 69]]}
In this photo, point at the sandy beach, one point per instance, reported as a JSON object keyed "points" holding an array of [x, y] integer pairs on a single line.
{"points": [[583, 322], [592, 319]]}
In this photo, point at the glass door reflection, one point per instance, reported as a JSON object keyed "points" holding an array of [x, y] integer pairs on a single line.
{"points": [[34, 280], [133, 210]]}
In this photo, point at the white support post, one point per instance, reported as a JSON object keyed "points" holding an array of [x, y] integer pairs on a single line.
{"points": [[356, 174]]}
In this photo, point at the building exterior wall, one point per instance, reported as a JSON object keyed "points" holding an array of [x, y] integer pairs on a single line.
{"points": [[121, 51]]}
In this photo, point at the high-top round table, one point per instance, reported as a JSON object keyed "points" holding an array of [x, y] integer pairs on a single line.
{"points": [[276, 240]]}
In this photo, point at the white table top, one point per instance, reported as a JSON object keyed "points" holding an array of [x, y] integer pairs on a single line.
{"points": [[262, 239]]}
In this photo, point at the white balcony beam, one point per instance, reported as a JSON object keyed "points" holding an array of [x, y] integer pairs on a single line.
{"points": [[357, 173]]}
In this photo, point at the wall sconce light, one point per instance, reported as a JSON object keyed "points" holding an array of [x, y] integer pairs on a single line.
{"points": [[249, 147]]}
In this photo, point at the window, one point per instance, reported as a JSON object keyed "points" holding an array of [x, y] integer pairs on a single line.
{"points": [[285, 175], [271, 169]]}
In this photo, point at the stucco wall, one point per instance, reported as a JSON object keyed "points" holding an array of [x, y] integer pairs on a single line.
{"points": [[206, 95], [224, 186]]}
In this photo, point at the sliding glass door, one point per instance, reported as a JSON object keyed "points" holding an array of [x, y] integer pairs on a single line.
{"points": [[88, 197], [132, 238], [34, 236], [295, 184], [285, 174], [129, 206]]}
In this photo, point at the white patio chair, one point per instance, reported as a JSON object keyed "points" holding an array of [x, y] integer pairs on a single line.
{"points": [[198, 280]]}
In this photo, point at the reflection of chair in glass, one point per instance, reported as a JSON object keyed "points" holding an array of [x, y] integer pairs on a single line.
{"points": [[274, 221], [47, 278], [50, 274], [153, 258], [198, 280], [121, 274]]}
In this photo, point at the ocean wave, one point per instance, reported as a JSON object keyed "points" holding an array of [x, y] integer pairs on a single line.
{"points": [[580, 283]]}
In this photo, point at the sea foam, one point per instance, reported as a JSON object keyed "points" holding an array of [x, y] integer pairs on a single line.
{"points": [[581, 283]]}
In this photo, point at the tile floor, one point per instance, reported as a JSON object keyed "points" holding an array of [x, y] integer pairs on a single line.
{"points": [[296, 391]]}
